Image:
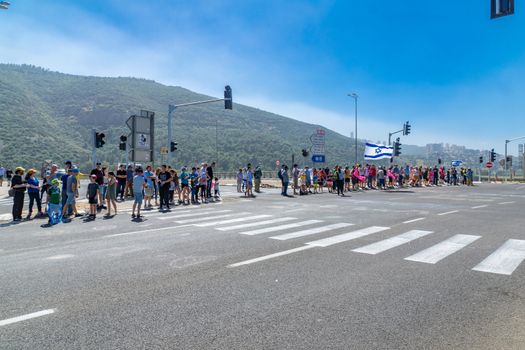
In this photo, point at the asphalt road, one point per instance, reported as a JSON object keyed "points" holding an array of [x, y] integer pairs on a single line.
{"points": [[428, 268]]}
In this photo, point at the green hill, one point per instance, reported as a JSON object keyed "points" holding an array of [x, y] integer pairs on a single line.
{"points": [[49, 115]]}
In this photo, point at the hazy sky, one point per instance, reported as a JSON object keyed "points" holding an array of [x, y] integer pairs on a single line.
{"points": [[443, 65]]}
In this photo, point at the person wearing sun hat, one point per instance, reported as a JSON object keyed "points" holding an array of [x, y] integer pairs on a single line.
{"points": [[33, 190], [19, 187]]}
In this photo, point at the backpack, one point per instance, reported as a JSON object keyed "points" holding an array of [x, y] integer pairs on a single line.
{"points": [[280, 174]]}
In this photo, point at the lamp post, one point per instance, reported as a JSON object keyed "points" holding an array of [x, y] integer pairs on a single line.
{"points": [[355, 96], [506, 143]]}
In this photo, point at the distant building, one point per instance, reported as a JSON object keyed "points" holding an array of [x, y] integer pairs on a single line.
{"points": [[434, 149]]}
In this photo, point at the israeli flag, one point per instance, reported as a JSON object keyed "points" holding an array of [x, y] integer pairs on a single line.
{"points": [[373, 151]]}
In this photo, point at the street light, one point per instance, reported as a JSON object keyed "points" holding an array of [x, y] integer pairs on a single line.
{"points": [[506, 143], [355, 97]]}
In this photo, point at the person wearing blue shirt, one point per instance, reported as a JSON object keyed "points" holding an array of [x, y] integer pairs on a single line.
{"points": [[33, 190]]}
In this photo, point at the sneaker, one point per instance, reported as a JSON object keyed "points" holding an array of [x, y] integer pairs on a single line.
{"points": [[78, 215], [133, 216]]}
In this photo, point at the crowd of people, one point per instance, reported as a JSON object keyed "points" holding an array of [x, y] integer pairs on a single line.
{"points": [[369, 177], [56, 192]]}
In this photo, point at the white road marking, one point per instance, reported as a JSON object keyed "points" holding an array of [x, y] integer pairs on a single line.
{"points": [[311, 231], [392, 242], [413, 220], [60, 257], [505, 259], [347, 236], [230, 221], [449, 212], [144, 231], [281, 227], [443, 249], [171, 216], [271, 256], [506, 203], [26, 317], [480, 206], [254, 224], [206, 218]]}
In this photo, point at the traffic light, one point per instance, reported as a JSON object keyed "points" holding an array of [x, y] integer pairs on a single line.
{"points": [[500, 8], [492, 155], [406, 128], [228, 101], [439, 161], [122, 145], [99, 139], [305, 153], [397, 148], [480, 159], [509, 161], [173, 146]]}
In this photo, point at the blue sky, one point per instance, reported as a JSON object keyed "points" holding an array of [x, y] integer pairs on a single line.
{"points": [[443, 65]]}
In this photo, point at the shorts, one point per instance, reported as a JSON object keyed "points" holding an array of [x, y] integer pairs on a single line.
{"points": [[295, 182], [148, 192], [184, 186], [70, 198], [139, 197], [347, 180], [93, 200]]}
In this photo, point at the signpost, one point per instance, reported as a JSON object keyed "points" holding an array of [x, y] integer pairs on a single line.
{"points": [[489, 165], [318, 146], [456, 163], [142, 137]]}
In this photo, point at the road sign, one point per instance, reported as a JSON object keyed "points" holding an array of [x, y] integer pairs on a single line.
{"points": [[318, 158], [456, 162], [489, 165], [502, 162], [164, 150]]}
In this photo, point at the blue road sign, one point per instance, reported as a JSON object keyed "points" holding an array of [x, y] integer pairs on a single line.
{"points": [[318, 158], [456, 163]]}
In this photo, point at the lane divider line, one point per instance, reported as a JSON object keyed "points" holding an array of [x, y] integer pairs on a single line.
{"points": [[448, 212], [26, 317]]}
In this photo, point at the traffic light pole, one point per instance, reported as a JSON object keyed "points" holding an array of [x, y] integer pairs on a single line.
{"points": [[390, 136], [94, 154], [172, 108]]}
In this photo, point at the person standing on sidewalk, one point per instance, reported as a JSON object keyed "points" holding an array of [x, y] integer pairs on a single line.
{"points": [[295, 178], [285, 180], [139, 183], [33, 190], [257, 176], [18, 185], [209, 171], [111, 193], [2, 174], [121, 181], [164, 187]]}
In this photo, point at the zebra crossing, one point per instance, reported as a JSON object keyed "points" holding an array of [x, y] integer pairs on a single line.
{"points": [[504, 260]]}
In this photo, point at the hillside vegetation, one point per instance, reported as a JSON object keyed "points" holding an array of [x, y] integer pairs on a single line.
{"points": [[50, 115]]}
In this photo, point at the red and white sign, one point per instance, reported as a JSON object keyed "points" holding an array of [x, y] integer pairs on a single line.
{"points": [[489, 165]]}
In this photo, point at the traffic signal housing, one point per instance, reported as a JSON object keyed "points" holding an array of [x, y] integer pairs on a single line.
{"points": [[500, 8], [122, 145], [480, 159], [509, 161], [228, 101], [406, 128], [304, 153], [99, 139], [492, 155], [173, 146], [397, 148]]}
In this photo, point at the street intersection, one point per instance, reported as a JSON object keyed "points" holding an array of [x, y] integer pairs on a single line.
{"points": [[422, 268]]}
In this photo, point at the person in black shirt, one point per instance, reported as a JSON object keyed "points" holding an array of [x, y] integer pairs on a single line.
{"points": [[164, 187], [121, 178], [100, 181], [17, 184], [209, 171]]}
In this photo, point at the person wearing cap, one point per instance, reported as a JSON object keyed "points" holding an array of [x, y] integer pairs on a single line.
{"points": [[33, 190], [19, 186], [54, 209], [71, 193], [93, 191]]}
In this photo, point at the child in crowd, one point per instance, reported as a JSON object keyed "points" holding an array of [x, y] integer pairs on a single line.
{"points": [[54, 208], [216, 187], [139, 184], [93, 191]]}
